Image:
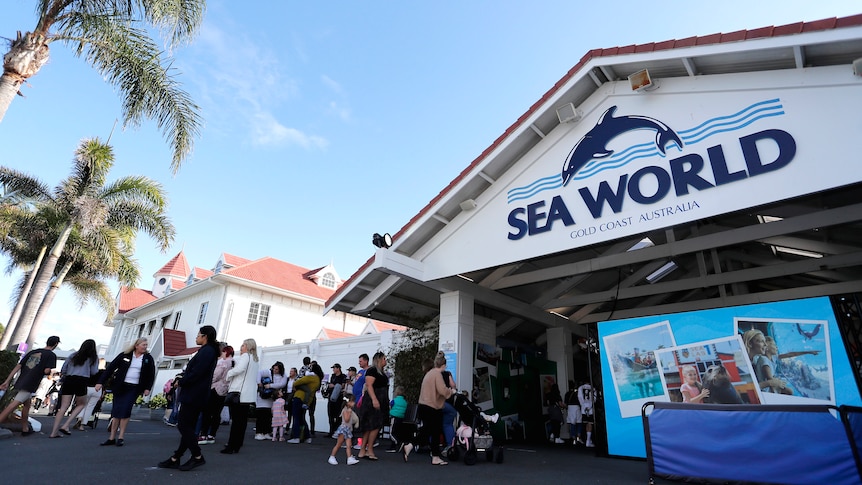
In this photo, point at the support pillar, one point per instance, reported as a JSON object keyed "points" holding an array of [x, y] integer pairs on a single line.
{"points": [[560, 351], [456, 335]]}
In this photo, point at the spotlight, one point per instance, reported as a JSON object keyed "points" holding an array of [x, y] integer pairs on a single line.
{"points": [[383, 241], [642, 81]]}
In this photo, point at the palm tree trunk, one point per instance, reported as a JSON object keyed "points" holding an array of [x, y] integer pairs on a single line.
{"points": [[13, 320], [40, 288], [46, 303], [27, 54]]}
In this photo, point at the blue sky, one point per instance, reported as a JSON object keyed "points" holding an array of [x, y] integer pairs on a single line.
{"points": [[325, 124]]}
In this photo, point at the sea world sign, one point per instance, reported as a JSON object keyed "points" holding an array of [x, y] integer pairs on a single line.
{"points": [[604, 186]]}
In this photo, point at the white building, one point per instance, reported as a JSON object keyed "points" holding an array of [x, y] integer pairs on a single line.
{"points": [[271, 301]]}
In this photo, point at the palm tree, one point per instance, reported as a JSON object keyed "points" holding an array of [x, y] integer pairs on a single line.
{"points": [[112, 36], [100, 219]]}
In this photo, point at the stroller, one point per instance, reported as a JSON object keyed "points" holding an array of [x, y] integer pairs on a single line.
{"points": [[474, 434]]}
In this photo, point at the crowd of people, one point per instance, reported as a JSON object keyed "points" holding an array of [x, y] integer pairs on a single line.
{"points": [[217, 378]]}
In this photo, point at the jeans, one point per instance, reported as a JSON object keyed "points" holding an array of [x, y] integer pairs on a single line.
{"points": [[449, 415]]}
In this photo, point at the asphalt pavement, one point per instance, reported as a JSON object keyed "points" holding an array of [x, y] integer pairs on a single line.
{"points": [[79, 459]]}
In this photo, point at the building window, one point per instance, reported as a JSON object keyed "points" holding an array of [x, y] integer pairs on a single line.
{"points": [[140, 330], [150, 327], [328, 281], [202, 315], [177, 320], [258, 314]]}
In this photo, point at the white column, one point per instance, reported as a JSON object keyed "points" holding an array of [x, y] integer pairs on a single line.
{"points": [[456, 334], [560, 351]]}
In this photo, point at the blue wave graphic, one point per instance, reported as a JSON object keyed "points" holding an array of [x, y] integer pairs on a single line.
{"points": [[691, 136]]}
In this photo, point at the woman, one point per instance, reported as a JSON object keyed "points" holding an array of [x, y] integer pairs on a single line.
{"points": [[215, 402], [242, 379], [76, 372], [755, 344], [133, 374], [432, 395], [263, 406], [554, 401], [304, 393], [288, 395], [374, 412]]}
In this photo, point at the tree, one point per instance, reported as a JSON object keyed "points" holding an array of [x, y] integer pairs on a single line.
{"points": [[112, 36], [411, 347], [100, 219]]}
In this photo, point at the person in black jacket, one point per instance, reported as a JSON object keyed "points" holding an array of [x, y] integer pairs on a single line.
{"points": [[132, 374], [194, 391]]}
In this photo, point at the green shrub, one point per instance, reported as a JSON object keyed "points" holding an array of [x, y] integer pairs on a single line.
{"points": [[406, 354]]}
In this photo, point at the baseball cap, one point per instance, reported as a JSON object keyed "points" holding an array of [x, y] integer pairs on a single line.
{"points": [[351, 368], [336, 366], [53, 340]]}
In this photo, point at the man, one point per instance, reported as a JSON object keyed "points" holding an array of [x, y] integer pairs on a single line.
{"points": [[195, 385], [34, 366], [351, 379], [359, 384], [337, 383]]}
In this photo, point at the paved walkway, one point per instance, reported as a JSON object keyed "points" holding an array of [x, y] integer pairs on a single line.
{"points": [[79, 459]]}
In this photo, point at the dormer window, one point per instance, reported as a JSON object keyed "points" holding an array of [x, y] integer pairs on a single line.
{"points": [[162, 281], [328, 281]]}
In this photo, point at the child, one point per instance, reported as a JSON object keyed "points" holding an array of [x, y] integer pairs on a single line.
{"points": [[397, 410], [345, 433], [279, 416]]}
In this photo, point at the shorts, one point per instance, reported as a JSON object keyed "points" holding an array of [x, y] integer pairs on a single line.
{"points": [[23, 396], [74, 386], [574, 414], [588, 418]]}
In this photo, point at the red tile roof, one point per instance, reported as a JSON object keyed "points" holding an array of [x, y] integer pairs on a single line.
{"points": [[202, 274], [131, 298], [384, 326], [231, 260], [330, 334], [789, 29], [175, 343], [177, 285], [280, 274], [177, 266]]}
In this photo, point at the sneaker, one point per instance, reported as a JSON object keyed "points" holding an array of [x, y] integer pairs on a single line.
{"points": [[357, 447], [332, 460], [169, 463], [590, 444], [559, 441], [308, 441], [192, 463], [210, 440], [267, 436], [491, 418], [351, 460], [293, 441], [259, 437], [202, 440]]}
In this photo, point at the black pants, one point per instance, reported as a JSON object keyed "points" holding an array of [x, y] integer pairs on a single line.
{"points": [[432, 427], [333, 409], [263, 420], [212, 414], [299, 424], [238, 423], [187, 420]]}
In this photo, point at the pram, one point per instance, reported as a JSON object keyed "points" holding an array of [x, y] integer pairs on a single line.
{"points": [[474, 434]]}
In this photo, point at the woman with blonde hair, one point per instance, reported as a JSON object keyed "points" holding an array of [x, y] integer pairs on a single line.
{"points": [[242, 392], [432, 395], [132, 374]]}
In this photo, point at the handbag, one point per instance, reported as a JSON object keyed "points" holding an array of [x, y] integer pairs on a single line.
{"points": [[231, 399]]}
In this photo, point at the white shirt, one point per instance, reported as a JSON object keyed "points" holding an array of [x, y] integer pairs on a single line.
{"points": [[133, 376]]}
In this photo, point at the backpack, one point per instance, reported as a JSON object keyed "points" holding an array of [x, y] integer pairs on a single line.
{"points": [[266, 393]]}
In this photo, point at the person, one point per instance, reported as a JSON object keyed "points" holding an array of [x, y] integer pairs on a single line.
{"points": [[432, 395], [764, 368], [32, 367], [133, 372], [304, 392], [774, 357], [573, 413], [351, 380], [87, 416], [270, 380], [374, 411], [587, 398], [344, 432], [215, 402], [54, 394], [359, 387], [692, 390], [195, 387], [172, 396], [335, 390], [242, 379], [449, 413], [397, 411], [293, 374], [76, 371], [279, 416], [40, 397], [554, 401]]}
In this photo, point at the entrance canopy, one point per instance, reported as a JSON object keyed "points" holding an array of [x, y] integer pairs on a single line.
{"points": [[729, 177]]}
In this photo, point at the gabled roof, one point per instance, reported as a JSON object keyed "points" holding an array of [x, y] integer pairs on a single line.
{"points": [[280, 274], [384, 326], [177, 266], [234, 261], [131, 298], [330, 334], [175, 344], [201, 273]]}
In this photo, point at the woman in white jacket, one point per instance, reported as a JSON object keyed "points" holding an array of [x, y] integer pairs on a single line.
{"points": [[241, 393]]}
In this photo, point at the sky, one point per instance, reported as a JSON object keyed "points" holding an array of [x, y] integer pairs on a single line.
{"points": [[326, 123]]}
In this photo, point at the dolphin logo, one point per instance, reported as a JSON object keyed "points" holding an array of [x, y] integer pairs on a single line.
{"points": [[594, 143]]}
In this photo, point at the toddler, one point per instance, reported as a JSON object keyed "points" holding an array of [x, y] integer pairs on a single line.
{"points": [[279, 416], [344, 433]]}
